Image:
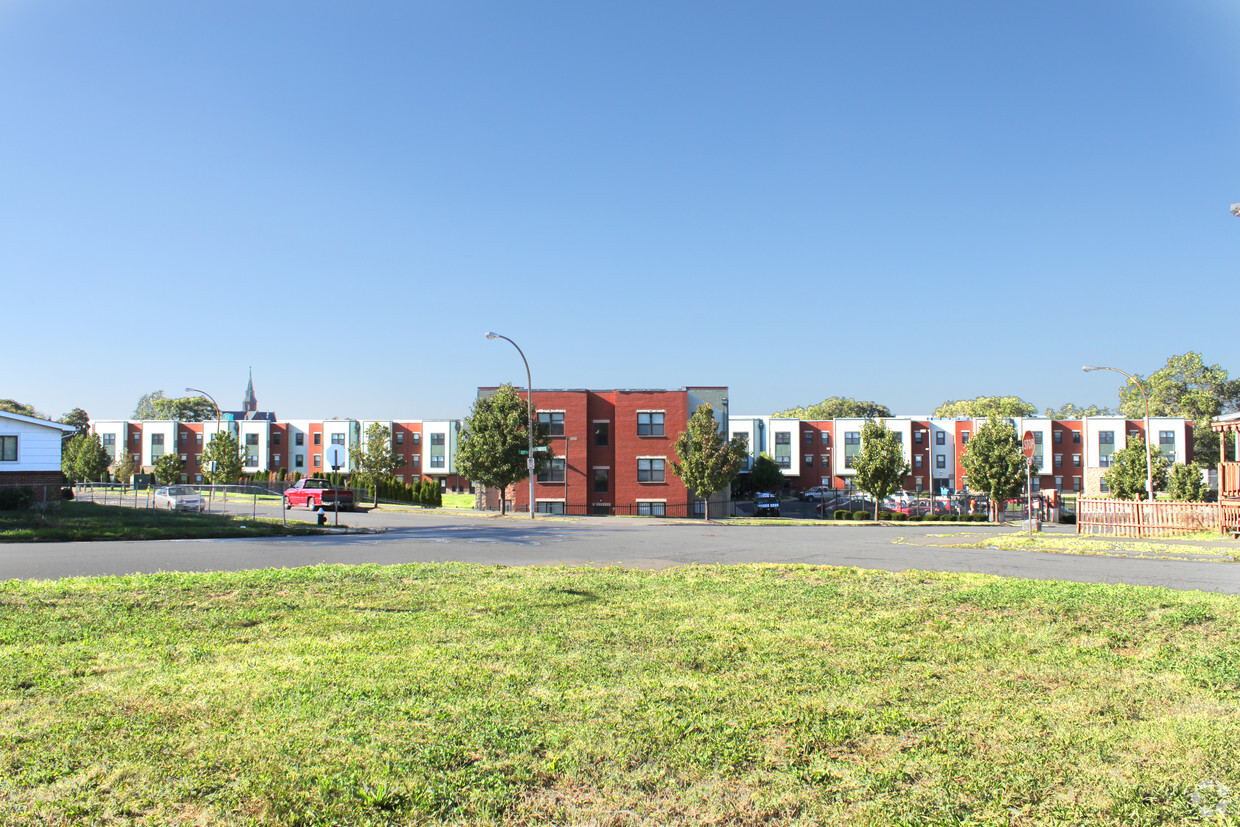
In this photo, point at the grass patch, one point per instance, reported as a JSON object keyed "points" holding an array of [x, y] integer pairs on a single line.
{"points": [[457, 694], [459, 500], [1220, 548], [74, 521]]}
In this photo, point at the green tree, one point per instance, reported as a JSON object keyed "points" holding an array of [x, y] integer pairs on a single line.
{"points": [[184, 408], [91, 459], [377, 460], [1070, 411], [837, 407], [493, 439], [985, 407], [879, 465], [708, 461], [1186, 483], [225, 452], [145, 409], [1126, 478], [765, 474], [78, 418], [68, 457], [167, 469], [123, 467], [1186, 387], [995, 464], [13, 406]]}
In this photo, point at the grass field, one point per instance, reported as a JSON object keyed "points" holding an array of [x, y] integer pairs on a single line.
{"points": [[735, 695], [93, 521]]}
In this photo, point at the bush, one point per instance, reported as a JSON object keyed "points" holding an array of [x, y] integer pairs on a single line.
{"points": [[948, 518], [862, 515], [842, 514], [900, 517], [915, 518], [978, 518], [931, 518], [1067, 519], [16, 499], [884, 515]]}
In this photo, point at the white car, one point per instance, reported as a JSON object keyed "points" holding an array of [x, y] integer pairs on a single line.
{"points": [[818, 493], [179, 498]]}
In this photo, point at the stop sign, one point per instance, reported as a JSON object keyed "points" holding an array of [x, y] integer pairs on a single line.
{"points": [[1027, 444]]}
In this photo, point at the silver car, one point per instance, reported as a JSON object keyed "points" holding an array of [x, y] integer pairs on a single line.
{"points": [[179, 498]]}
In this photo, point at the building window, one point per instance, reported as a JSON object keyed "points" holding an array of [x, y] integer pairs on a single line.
{"points": [[917, 435], [276, 459], [251, 439], [650, 469], [852, 447], [400, 437], [1076, 483], [940, 461], [109, 445], [650, 423], [1057, 437], [1058, 483], [182, 436], [318, 438], [8, 449], [549, 507], [137, 437], [417, 439], [826, 438], [823, 459], [1106, 447], [299, 461], [783, 449], [809, 460], [917, 482], [157, 446], [602, 480], [318, 460], [551, 423], [197, 439], [275, 438], [300, 439], [917, 460], [554, 472], [1103, 488], [964, 437], [658, 509], [417, 460], [437, 450], [1059, 460], [1076, 460], [1076, 437], [940, 437], [602, 434]]}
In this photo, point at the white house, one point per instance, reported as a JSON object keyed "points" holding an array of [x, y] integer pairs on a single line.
{"points": [[30, 451]]}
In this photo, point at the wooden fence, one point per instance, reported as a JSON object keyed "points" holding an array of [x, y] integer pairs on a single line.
{"points": [[1128, 518]]}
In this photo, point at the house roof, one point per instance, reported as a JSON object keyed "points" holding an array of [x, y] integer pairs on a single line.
{"points": [[34, 420]]}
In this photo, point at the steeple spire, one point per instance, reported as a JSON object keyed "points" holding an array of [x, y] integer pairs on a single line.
{"points": [[250, 404]]}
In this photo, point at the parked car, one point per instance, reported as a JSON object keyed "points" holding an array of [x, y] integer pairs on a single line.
{"points": [[765, 505], [818, 492], [314, 492], [179, 498]]}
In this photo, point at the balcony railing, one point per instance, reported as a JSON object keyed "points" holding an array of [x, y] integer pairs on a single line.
{"points": [[1229, 480]]}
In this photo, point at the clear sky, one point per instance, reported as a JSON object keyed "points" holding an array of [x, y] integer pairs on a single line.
{"points": [[901, 201]]}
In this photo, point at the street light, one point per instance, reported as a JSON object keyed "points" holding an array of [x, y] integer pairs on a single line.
{"points": [[1149, 468], [529, 412]]}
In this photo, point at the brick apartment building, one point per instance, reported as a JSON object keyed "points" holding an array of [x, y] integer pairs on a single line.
{"points": [[612, 450]]}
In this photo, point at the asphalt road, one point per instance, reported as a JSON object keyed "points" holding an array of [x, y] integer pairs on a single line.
{"points": [[413, 537]]}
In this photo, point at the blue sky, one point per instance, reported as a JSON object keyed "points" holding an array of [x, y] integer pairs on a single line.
{"points": [[907, 202]]}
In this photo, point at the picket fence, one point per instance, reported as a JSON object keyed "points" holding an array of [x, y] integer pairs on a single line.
{"points": [[1129, 518]]}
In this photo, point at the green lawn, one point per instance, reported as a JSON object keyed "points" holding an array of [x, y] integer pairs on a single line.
{"points": [[458, 694], [93, 521]]}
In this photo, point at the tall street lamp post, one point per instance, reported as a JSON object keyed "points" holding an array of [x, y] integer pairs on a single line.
{"points": [[529, 413], [1149, 468], [218, 417]]}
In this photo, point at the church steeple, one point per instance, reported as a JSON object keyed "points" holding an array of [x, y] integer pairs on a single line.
{"points": [[250, 403]]}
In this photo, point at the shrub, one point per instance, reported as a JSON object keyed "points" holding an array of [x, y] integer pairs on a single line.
{"points": [[915, 518], [1067, 519], [842, 514], [978, 518], [862, 515], [900, 517], [17, 498], [931, 518], [948, 518], [884, 515]]}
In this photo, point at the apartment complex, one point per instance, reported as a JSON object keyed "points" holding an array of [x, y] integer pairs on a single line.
{"points": [[1072, 455]]}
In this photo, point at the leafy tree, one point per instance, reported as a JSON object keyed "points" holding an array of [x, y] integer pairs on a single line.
{"points": [[145, 409], [68, 458], [184, 408], [880, 466], [1187, 388], [708, 461], [13, 406], [225, 452], [91, 459], [984, 407], [377, 461], [1070, 411], [124, 467], [494, 435], [837, 407], [1186, 483], [1126, 479], [168, 469], [995, 463], [765, 474], [78, 418]]}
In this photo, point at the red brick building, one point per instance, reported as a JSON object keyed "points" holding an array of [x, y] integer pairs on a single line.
{"points": [[612, 450]]}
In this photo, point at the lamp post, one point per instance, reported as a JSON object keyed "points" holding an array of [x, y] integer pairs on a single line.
{"points": [[529, 411], [218, 417], [1149, 468]]}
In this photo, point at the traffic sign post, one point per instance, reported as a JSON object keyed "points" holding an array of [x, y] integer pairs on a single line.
{"points": [[1027, 446]]}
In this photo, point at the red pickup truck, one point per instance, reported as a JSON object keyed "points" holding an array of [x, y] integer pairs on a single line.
{"points": [[313, 492]]}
